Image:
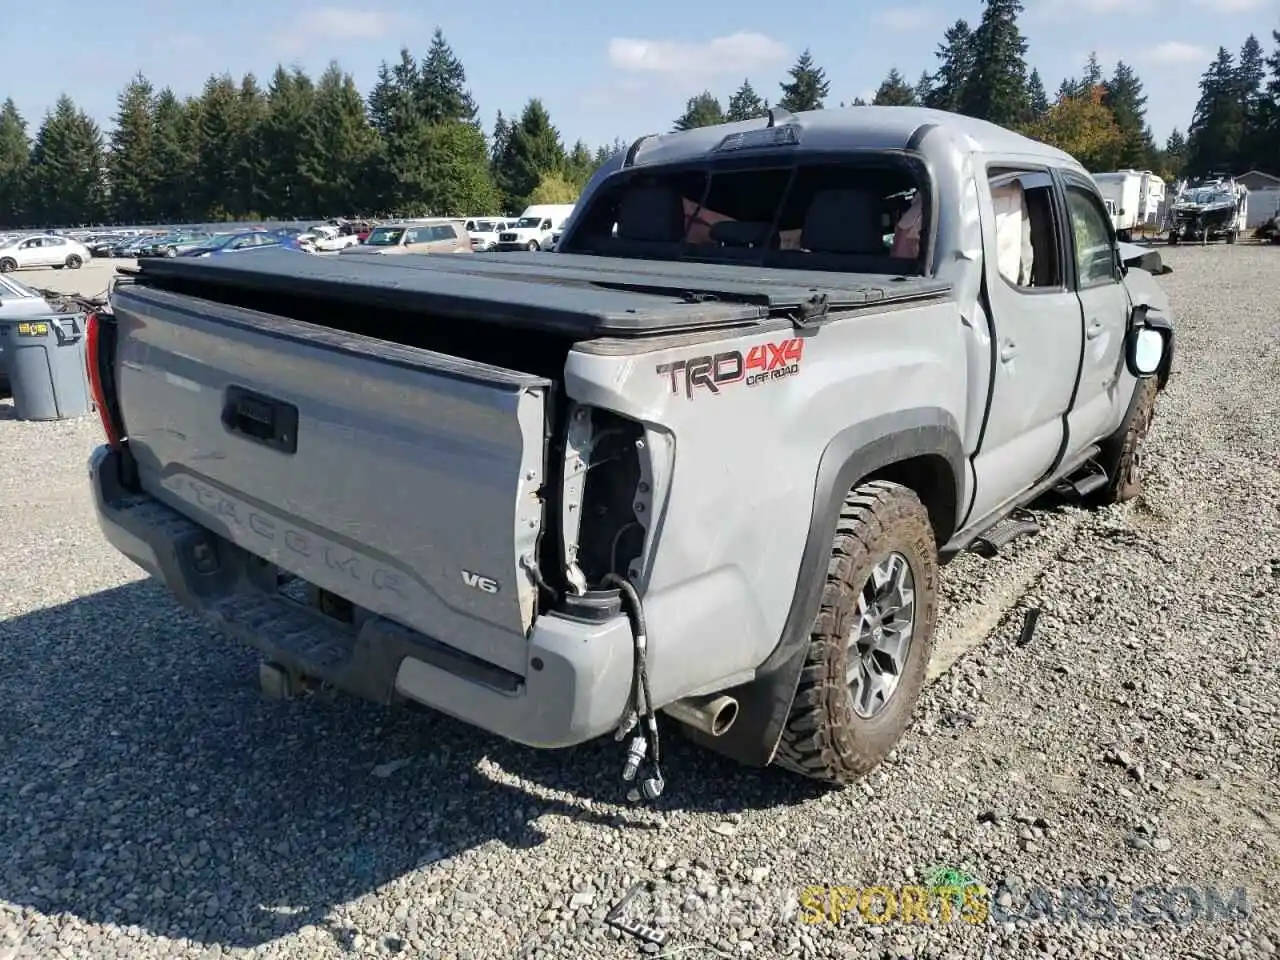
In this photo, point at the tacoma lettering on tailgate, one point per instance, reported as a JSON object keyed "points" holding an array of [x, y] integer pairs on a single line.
{"points": [[762, 364], [276, 539]]}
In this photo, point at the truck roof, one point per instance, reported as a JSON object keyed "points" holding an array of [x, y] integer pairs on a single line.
{"points": [[579, 296], [856, 128]]}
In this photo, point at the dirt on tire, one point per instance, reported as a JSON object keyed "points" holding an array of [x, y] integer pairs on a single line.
{"points": [[824, 739]]}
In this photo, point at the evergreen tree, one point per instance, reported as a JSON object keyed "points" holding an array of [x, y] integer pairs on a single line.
{"points": [[1092, 76], [67, 168], [1037, 99], [15, 166], [807, 87], [579, 165], [533, 150], [132, 161], [1123, 96], [997, 87], [745, 104], [249, 194], [894, 92], [924, 88], [704, 110], [501, 134], [173, 161], [1069, 89], [453, 171], [442, 87], [345, 143], [955, 66], [291, 144], [1259, 112], [1213, 139], [1175, 154], [219, 152]]}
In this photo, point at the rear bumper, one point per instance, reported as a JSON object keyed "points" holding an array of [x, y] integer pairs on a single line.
{"points": [[575, 686]]}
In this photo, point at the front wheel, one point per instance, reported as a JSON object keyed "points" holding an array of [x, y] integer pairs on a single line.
{"points": [[1121, 455], [74, 262], [531, 246], [8, 265], [871, 642]]}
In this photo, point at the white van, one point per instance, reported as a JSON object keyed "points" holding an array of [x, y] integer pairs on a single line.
{"points": [[536, 225]]}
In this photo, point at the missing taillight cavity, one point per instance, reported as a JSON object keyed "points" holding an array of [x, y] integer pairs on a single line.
{"points": [[616, 500]]}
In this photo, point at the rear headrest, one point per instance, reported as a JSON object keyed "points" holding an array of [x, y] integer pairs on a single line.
{"points": [[844, 221], [653, 213]]}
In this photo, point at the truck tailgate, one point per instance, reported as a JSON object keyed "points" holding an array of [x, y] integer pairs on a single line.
{"points": [[403, 480]]}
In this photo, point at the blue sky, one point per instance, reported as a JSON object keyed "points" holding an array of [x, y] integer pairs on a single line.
{"points": [[604, 70]]}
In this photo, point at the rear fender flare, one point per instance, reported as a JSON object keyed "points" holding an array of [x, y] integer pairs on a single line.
{"points": [[854, 454]]}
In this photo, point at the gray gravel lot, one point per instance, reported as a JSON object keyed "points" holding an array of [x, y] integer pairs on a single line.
{"points": [[153, 804]]}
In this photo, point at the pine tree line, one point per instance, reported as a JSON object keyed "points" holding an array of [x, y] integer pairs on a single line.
{"points": [[301, 146], [1101, 120]]}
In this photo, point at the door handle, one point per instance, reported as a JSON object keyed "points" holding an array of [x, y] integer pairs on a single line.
{"points": [[1094, 330], [1008, 351]]}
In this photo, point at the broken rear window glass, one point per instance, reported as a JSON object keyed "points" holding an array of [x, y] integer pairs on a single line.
{"points": [[864, 216]]}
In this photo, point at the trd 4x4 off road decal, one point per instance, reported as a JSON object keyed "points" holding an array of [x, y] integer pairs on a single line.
{"points": [[711, 371]]}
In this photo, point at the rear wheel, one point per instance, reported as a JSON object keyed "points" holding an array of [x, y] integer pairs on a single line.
{"points": [[870, 645], [74, 262], [8, 265]]}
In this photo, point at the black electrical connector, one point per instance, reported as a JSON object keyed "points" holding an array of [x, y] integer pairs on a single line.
{"points": [[646, 741]]}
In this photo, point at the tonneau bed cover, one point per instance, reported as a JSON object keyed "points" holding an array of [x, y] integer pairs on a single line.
{"points": [[583, 296]]}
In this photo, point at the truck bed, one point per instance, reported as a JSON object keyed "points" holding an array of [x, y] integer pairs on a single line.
{"points": [[581, 297]]}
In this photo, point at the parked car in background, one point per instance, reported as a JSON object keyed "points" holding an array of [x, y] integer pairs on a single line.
{"points": [[416, 236], [43, 250], [102, 246], [234, 243], [133, 246], [175, 243], [484, 231], [534, 229]]}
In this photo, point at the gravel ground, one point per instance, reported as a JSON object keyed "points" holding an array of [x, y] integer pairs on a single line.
{"points": [[153, 804]]}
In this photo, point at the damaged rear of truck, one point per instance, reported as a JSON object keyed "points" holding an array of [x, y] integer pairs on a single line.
{"points": [[550, 495]]}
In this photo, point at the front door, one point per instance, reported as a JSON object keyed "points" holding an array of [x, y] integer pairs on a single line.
{"points": [[1035, 315], [417, 240], [1105, 383]]}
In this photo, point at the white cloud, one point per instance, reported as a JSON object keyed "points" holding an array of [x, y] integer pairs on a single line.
{"points": [[906, 18], [336, 23], [735, 54], [1176, 52]]}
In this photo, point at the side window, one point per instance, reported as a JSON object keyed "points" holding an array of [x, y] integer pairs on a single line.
{"points": [[1028, 254], [55, 242], [1095, 258], [443, 231]]}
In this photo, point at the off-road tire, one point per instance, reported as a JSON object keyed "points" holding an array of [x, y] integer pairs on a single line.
{"points": [[74, 262], [8, 265], [1121, 452], [824, 739]]}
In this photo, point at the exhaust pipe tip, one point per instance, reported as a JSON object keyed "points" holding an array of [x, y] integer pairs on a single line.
{"points": [[712, 715]]}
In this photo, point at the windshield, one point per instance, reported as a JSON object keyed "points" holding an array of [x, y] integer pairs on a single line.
{"points": [[529, 223], [385, 236], [865, 215], [1208, 195], [485, 226]]}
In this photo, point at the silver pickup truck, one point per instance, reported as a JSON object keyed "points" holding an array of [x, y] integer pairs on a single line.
{"points": [[703, 462]]}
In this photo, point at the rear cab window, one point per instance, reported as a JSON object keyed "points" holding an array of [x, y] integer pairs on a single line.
{"points": [[861, 215]]}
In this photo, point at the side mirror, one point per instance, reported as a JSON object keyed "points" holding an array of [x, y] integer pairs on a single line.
{"points": [[1148, 344], [1121, 211]]}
